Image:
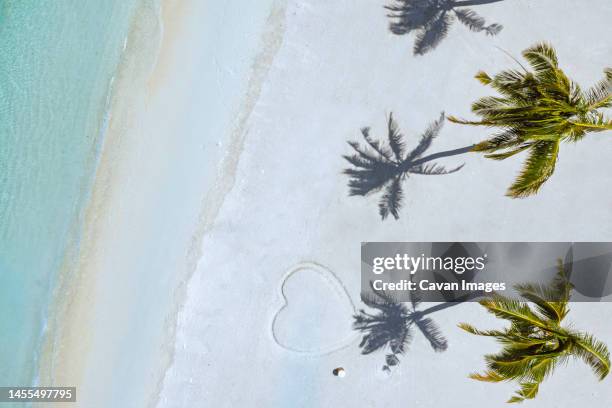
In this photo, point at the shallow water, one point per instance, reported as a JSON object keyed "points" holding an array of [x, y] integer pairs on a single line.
{"points": [[57, 60]]}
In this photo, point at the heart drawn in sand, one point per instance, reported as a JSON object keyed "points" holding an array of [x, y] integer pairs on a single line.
{"points": [[315, 316]]}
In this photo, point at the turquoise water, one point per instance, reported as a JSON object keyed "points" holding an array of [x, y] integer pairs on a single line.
{"points": [[57, 59]]}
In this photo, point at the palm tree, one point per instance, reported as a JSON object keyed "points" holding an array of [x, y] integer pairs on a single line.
{"points": [[536, 342], [431, 19], [392, 325], [381, 166], [535, 112]]}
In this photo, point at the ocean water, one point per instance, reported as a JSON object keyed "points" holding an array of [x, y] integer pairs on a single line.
{"points": [[57, 60]]}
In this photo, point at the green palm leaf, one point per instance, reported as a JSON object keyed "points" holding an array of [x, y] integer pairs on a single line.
{"points": [[594, 353], [536, 343], [542, 57], [471, 329], [513, 310], [488, 376], [600, 95], [538, 168], [551, 301], [536, 111], [538, 295], [528, 391]]}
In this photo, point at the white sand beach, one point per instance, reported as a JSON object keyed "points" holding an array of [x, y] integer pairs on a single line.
{"points": [[114, 319], [220, 265]]}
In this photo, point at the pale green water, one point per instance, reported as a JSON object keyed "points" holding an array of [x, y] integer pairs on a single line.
{"points": [[57, 59]]}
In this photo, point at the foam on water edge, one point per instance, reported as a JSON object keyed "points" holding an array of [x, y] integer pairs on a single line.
{"points": [[55, 99]]}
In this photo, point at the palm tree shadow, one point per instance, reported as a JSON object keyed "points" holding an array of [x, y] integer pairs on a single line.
{"points": [[393, 325], [431, 20], [378, 165]]}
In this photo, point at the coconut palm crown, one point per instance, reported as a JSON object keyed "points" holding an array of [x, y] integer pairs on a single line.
{"points": [[379, 165], [536, 342], [431, 20], [535, 111]]}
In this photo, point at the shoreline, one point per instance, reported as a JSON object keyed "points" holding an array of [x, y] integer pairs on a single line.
{"points": [[219, 175], [72, 344], [55, 96], [74, 289]]}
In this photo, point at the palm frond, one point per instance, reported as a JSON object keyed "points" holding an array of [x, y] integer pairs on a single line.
{"points": [[512, 310], [594, 353], [538, 168], [561, 285], [490, 333], [516, 85], [483, 77], [543, 368], [592, 122], [504, 140], [543, 298], [488, 376], [508, 153], [528, 390], [512, 364], [600, 95], [542, 57], [536, 343], [491, 105]]}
